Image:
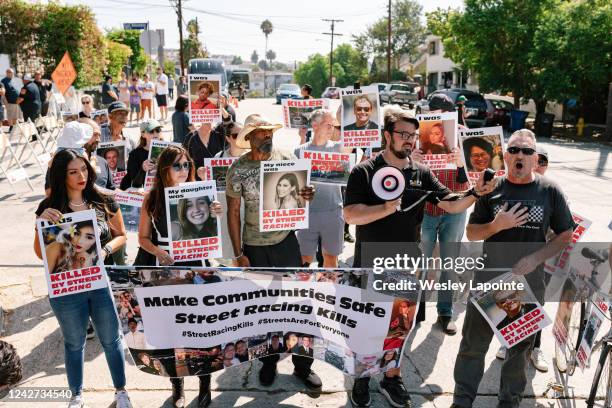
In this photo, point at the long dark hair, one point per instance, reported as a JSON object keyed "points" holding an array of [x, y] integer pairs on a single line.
{"points": [[156, 204], [182, 102], [384, 362], [190, 231], [58, 197]]}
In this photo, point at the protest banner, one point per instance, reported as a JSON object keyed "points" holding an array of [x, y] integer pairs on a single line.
{"points": [[558, 264], [513, 312], [71, 254], [482, 149], [195, 233], [216, 169], [280, 205], [115, 154], [585, 348], [437, 138], [204, 98], [329, 167], [297, 112], [240, 315], [157, 146], [64, 74], [361, 124], [100, 116], [130, 205]]}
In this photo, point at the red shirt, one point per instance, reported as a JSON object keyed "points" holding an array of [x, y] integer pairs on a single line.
{"points": [[203, 104], [449, 179]]}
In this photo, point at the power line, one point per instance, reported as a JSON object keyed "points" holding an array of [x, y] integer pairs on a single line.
{"points": [[331, 53]]}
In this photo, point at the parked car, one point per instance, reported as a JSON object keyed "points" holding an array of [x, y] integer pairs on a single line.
{"points": [[331, 92], [499, 112], [475, 106], [288, 91], [400, 93]]}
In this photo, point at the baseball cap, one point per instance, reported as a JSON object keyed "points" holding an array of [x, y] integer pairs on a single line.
{"points": [[541, 151], [149, 124], [117, 106], [461, 98], [27, 77], [441, 102], [74, 135]]}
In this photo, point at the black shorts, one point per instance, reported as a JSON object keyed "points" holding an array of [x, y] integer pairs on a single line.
{"points": [[284, 254], [162, 100]]}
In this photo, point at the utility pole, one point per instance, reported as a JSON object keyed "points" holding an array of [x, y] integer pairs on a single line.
{"points": [[331, 52], [178, 4], [389, 45]]}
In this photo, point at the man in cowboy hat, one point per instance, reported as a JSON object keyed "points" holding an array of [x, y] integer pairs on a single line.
{"points": [[255, 248]]}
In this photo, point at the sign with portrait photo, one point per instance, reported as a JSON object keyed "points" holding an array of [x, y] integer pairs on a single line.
{"points": [[280, 205], [157, 147], [361, 124], [297, 112], [194, 231], [437, 138], [216, 169], [100, 116], [130, 204], [513, 312], [115, 155], [71, 254], [559, 263], [329, 167], [483, 149], [204, 98]]}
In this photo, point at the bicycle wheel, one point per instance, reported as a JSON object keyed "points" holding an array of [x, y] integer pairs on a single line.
{"points": [[602, 381], [565, 356]]}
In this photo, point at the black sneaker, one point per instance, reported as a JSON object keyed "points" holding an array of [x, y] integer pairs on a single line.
{"points": [[348, 237], [267, 374], [311, 380], [360, 395], [178, 392], [204, 396], [448, 326], [90, 331], [394, 391]]}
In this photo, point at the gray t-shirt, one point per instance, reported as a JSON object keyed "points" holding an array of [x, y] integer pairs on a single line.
{"points": [[327, 197]]}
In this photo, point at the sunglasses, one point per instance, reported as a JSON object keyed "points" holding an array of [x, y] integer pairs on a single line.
{"points": [[85, 102], [362, 109], [181, 166], [156, 130], [527, 151]]}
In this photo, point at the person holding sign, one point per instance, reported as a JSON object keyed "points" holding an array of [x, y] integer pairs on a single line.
{"points": [[255, 248], [362, 108], [204, 91], [138, 160], [74, 248], [72, 189], [503, 217], [174, 166], [195, 220]]}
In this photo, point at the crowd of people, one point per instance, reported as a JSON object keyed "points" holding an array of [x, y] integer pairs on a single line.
{"points": [[76, 173]]}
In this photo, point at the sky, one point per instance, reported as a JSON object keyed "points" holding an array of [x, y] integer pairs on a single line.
{"points": [[232, 27]]}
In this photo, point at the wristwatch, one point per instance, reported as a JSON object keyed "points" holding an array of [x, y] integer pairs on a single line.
{"points": [[108, 249]]}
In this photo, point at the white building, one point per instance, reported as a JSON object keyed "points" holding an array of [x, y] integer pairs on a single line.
{"points": [[440, 72]]}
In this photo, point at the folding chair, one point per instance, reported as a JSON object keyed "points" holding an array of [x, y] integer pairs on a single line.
{"points": [[48, 129], [24, 132], [15, 175]]}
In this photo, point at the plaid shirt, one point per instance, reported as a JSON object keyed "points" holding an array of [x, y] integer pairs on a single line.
{"points": [[449, 179]]}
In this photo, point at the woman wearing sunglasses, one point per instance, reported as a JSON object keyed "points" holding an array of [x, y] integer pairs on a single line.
{"points": [[87, 107], [174, 166], [138, 163]]}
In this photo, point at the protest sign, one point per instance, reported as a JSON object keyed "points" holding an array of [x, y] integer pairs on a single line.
{"points": [[558, 264], [115, 154], [280, 205], [64, 74], [513, 312], [157, 146], [216, 169], [437, 138], [194, 231], [361, 117], [297, 112], [482, 149], [589, 266], [100, 116], [563, 318], [585, 348], [204, 98], [130, 205], [71, 253], [238, 315], [329, 167]]}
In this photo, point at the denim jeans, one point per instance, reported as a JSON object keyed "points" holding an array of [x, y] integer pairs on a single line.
{"points": [[447, 228], [73, 313]]}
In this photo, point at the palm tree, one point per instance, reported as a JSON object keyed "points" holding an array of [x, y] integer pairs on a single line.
{"points": [[266, 28]]}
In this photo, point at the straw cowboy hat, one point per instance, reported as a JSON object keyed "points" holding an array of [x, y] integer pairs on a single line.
{"points": [[254, 122]]}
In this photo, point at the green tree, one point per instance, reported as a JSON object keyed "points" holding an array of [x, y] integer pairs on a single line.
{"points": [[407, 32], [354, 65], [169, 67], [18, 31], [237, 60], [131, 38], [315, 71], [270, 56], [263, 64], [192, 46], [117, 56], [254, 57]]}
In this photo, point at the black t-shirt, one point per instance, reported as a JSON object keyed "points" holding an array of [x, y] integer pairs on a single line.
{"points": [[31, 100], [42, 90], [401, 226], [106, 98], [84, 115], [198, 151], [135, 174]]}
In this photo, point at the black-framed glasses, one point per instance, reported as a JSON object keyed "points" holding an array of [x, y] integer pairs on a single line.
{"points": [[527, 151], [405, 135], [85, 102], [181, 166], [362, 109]]}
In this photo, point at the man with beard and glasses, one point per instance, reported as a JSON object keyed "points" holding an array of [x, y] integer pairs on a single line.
{"points": [[262, 249], [513, 221], [396, 221]]}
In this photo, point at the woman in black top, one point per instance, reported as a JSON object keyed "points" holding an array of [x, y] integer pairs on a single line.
{"points": [[174, 166], [72, 189], [138, 163]]}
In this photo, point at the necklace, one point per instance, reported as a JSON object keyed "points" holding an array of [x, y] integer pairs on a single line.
{"points": [[81, 204]]}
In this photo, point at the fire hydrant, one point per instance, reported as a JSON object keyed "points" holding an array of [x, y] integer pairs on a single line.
{"points": [[580, 127]]}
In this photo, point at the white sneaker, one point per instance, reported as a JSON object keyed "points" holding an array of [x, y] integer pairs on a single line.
{"points": [[76, 401], [122, 400], [538, 360], [501, 353]]}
